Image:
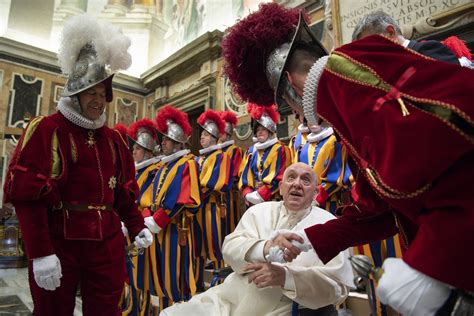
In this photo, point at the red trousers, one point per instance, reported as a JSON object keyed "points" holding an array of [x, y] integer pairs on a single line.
{"points": [[99, 268]]}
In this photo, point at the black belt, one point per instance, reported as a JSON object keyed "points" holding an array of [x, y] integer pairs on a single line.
{"points": [[85, 207]]}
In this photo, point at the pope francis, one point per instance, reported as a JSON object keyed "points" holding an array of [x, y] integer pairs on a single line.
{"points": [[262, 282]]}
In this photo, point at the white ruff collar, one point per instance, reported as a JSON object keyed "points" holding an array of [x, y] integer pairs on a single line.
{"points": [[146, 163], [267, 143], [209, 149], [317, 137], [303, 129], [227, 143], [175, 156], [70, 108]]}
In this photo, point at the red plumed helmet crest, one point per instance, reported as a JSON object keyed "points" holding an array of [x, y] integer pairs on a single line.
{"points": [[256, 111], [177, 116], [213, 116], [458, 47], [122, 129], [247, 45], [144, 123], [229, 117]]}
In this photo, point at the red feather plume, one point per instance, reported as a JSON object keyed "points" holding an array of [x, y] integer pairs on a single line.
{"points": [[229, 117], [212, 116], [177, 116], [256, 111], [122, 129], [458, 47], [144, 123], [248, 43]]}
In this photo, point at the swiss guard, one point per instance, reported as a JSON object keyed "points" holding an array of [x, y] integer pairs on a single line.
{"points": [[235, 153], [143, 142], [214, 175], [71, 180], [266, 160], [386, 103], [175, 201]]}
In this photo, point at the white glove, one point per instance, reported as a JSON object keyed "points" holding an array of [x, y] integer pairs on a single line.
{"points": [[408, 291], [47, 272], [275, 254], [305, 246], [152, 225], [124, 229], [254, 198], [144, 238]]}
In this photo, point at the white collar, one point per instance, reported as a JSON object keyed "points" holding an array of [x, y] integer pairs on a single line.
{"points": [[317, 137], [267, 143], [303, 129], [227, 143], [146, 163], [209, 149], [175, 155], [297, 216], [405, 43], [70, 108]]}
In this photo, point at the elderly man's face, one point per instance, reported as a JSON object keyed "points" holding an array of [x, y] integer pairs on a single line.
{"points": [[298, 186]]}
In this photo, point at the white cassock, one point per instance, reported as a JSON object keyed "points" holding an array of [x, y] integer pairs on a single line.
{"points": [[309, 282]]}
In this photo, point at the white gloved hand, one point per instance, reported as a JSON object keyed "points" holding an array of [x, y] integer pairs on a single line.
{"points": [[152, 225], [124, 229], [144, 238], [254, 198], [47, 272], [305, 246], [275, 254], [408, 291]]}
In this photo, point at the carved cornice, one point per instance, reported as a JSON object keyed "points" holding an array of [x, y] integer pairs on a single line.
{"points": [[438, 23], [185, 61]]}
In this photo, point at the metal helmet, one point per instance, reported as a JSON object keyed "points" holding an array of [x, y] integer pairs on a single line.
{"points": [[174, 124], [89, 52], [211, 128], [145, 140], [175, 132], [267, 116], [212, 122], [143, 133], [230, 119], [88, 72], [229, 128], [278, 60]]}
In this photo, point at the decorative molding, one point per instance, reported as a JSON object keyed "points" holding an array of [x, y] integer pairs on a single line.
{"points": [[35, 110], [441, 22], [232, 102], [125, 111]]}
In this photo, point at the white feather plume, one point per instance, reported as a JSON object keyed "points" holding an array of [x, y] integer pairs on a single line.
{"points": [[108, 40]]}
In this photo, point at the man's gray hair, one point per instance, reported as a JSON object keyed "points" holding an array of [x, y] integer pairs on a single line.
{"points": [[375, 23]]}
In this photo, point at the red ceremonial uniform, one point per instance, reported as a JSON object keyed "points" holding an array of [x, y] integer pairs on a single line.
{"points": [[416, 170], [71, 187]]}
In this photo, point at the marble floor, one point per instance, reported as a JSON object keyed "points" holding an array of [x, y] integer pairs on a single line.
{"points": [[15, 297]]}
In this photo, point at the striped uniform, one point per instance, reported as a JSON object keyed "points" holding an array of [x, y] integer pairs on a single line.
{"points": [[328, 158], [139, 302], [296, 142], [214, 172], [378, 251], [262, 170], [176, 199], [232, 196]]}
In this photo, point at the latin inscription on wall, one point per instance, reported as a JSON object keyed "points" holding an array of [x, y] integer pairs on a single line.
{"points": [[406, 12]]}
